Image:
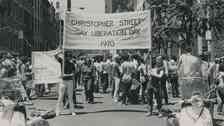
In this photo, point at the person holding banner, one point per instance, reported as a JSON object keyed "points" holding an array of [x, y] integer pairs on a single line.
{"points": [[66, 85]]}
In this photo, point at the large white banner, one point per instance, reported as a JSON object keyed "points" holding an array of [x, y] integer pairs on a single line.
{"points": [[129, 30], [46, 68]]}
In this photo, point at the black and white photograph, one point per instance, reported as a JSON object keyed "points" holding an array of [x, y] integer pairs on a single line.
{"points": [[111, 62]]}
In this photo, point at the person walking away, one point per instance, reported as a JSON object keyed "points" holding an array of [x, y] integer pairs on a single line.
{"points": [[126, 80], [88, 80], [173, 77], [220, 89], [67, 85], [116, 75], [190, 75], [153, 88]]}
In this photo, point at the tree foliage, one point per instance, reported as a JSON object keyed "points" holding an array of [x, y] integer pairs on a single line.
{"points": [[185, 18]]}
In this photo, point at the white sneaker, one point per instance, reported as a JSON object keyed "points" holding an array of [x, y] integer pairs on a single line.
{"points": [[148, 114], [115, 100], [57, 113], [160, 115], [74, 114]]}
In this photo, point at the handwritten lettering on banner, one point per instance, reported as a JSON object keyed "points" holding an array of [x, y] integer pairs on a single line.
{"points": [[107, 31], [45, 67]]}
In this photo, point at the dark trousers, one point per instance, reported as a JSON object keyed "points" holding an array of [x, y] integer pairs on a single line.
{"points": [[89, 89], [143, 98], [164, 89], [105, 82], [112, 86], [156, 92], [175, 86], [125, 89]]}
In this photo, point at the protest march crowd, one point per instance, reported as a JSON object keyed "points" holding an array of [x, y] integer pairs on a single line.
{"points": [[132, 79]]}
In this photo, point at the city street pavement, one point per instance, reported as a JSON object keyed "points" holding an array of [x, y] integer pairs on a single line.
{"points": [[104, 112]]}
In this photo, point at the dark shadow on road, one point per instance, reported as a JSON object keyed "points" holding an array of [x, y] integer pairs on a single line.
{"points": [[98, 97], [79, 103], [113, 110], [98, 102], [47, 98], [79, 107]]}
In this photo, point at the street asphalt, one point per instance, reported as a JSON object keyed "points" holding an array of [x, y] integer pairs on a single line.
{"points": [[104, 112]]}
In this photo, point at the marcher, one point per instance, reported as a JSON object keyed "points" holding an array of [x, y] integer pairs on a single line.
{"points": [[116, 76], [154, 87], [190, 75], [88, 72], [143, 80], [66, 85], [105, 74], [164, 79], [97, 82], [126, 79], [173, 77]]}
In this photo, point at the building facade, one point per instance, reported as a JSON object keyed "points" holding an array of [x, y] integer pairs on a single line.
{"points": [[27, 25]]}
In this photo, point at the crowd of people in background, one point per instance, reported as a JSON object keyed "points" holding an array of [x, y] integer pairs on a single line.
{"points": [[129, 77], [132, 80], [17, 67]]}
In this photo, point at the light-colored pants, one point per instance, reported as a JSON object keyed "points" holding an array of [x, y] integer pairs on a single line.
{"points": [[116, 87], [66, 85], [188, 86]]}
